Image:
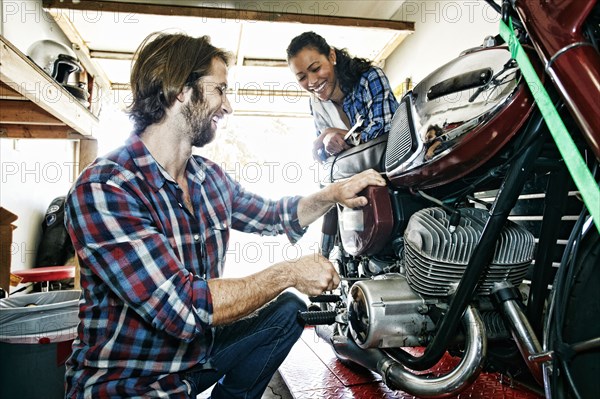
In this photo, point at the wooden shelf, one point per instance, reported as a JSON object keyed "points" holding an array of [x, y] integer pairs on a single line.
{"points": [[33, 105]]}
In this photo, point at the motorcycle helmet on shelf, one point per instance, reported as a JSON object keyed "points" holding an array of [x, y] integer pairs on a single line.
{"points": [[60, 62]]}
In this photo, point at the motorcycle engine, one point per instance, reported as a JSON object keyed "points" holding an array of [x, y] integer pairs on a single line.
{"points": [[385, 313], [391, 310], [436, 258]]}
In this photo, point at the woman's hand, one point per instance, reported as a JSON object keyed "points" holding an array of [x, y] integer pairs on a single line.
{"points": [[330, 142], [334, 142], [318, 150]]}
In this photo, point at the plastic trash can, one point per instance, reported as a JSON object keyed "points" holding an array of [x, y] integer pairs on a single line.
{"points": [[36, 332]]}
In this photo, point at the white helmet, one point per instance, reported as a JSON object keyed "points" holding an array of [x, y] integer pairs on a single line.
{"points": [[58, 61]]}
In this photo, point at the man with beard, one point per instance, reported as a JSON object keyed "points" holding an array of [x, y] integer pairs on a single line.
{"points": [[150, 223]]}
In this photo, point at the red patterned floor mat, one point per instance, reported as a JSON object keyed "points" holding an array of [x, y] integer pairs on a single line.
{"points": [[312, 371]]}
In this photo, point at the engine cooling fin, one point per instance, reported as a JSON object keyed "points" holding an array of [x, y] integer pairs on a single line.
{"points": [[437, 259]]}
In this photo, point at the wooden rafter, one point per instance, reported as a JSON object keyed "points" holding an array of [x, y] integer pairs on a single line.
{"points": [[25, 112], [228, 13], [18, 131], [6, 93]]}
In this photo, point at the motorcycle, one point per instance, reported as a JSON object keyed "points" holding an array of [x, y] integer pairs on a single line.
{"points": [[448, 256]]}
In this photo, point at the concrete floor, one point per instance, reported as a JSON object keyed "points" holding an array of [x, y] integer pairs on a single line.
{"points": [[276, 390]]}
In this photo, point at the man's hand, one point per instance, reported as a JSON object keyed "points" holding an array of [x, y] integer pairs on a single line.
{"points": [[313, 275], [311, 207], [346, 192]]}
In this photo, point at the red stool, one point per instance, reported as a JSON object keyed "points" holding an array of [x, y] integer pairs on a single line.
{"points": [[45, 274]]}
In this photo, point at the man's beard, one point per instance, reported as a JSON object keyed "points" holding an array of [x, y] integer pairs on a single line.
{"points": [[198, 121]]}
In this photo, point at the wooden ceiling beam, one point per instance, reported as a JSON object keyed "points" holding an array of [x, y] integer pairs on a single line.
{"points": [[228, 13], [6, 93], [37, 132], [392, 44], [25, 112]]}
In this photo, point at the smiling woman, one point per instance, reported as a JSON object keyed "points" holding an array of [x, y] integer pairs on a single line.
{"points": [[345, 91]]}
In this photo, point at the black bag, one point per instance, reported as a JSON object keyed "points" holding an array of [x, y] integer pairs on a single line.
{"points": [[55, 245]]}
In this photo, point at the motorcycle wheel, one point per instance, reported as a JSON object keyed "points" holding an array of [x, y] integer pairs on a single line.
{"points": [[580, 324]]}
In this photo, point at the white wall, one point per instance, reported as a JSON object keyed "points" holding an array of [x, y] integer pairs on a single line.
{"points": [[33, 172], [443, 29]]}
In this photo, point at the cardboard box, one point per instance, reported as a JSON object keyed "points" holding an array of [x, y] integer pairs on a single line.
{"points": [[6, 229]]}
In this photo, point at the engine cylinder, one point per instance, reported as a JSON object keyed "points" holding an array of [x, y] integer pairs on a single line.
{"points": [[386, 313], [437, 257]]}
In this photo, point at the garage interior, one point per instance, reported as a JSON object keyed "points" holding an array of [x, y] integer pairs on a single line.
{"points": [[48, 136]]}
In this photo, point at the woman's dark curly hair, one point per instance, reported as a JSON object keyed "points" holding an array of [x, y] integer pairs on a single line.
{"points": [[164, 65], [348, 68]]}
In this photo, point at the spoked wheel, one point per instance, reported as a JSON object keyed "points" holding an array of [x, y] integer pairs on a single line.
{"points": [[574, 333]]}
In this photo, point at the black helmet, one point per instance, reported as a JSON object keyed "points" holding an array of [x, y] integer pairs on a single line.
{"points": [[60, 62]]}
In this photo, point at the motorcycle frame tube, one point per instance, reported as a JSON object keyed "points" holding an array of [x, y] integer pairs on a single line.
{"points": [[547, 367], [482, 255], [557, 193], [397, 377], [555, 27], [329, 231]]}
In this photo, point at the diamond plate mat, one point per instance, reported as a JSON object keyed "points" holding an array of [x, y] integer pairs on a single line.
{"points": [[311, 371]]}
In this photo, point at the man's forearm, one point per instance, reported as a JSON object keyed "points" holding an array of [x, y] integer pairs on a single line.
{"points": [[313, 206], [234, 298]]}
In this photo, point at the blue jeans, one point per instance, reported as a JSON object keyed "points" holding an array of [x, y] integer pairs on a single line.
{"points": [[247, 353]]}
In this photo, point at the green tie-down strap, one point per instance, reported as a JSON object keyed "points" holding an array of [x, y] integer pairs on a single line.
{"points": [[584, 180]]}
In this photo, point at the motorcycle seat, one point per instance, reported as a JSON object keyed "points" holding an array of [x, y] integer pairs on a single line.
{"points": [[369, 155]]}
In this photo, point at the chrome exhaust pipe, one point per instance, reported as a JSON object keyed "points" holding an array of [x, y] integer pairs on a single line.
{"points": [[396, 376], [522, 332]]}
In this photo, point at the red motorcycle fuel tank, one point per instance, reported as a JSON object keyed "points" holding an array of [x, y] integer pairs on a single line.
{"points": [[365, 230], [456, 119]]}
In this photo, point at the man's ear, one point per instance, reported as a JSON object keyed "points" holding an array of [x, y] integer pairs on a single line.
{"points": [[181, 96]]}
